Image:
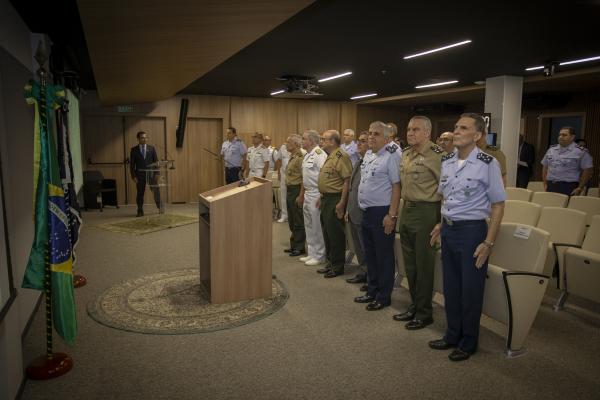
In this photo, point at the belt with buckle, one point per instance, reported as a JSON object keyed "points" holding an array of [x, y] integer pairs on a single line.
{"points": [[450, 222]]}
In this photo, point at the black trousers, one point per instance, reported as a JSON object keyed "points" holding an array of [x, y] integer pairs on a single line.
{"points": [[523, 176], [379, 253], [141, 188], [562, 187], [232, 174]]}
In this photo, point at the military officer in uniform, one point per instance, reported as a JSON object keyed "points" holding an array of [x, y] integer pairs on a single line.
{"points": [[472, 189], [233, 151], [257, 162], [349, 146], [354, 215], [309, 196], [281, 158], [567, 167], [392, 145], [293, 181], [334, 179], [420, 175], [495, 152], [378, 197], [445, 142], [271, 150]]}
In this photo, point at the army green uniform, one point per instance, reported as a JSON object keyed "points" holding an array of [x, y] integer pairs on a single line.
{"points": [[498, 155], [420, 175], [335, 171], [293, 179]]}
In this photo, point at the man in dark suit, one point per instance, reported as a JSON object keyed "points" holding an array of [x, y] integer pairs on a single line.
{"points": [[140, 158], [525, 162]]}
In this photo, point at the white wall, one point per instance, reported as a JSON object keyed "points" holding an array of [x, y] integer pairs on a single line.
{"points": [[16, 138]]}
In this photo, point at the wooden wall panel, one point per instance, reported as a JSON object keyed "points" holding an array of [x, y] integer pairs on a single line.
{"points": [[277, 118], [103, 143], [319, 115], [348, 116], [398, 115]]}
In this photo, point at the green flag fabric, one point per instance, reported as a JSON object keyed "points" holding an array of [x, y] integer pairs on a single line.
{"points": [[51, 236]]}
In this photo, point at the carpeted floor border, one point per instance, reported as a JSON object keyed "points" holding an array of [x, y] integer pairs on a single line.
{"points": [[111, 227]]}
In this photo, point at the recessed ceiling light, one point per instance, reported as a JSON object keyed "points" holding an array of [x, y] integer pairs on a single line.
{"points": [[479, 82], [335, 76], [362, 96], [438, 49], [580, 60], [277, 92], [435, 84]]}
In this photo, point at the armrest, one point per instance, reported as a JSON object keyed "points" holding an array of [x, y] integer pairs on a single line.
{"points": [[558, 262]]}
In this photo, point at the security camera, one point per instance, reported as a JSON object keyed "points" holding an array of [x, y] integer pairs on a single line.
{"points": [[550, 68]]}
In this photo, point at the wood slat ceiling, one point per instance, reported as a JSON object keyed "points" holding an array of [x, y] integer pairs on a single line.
{"points": [[143, 51]]}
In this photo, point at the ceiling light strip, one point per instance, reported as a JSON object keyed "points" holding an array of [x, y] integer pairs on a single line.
{"points": [[435, 84], [580, 60], [438, 49], [362, 96], [534, 68], [277, 92], [335, 77]]}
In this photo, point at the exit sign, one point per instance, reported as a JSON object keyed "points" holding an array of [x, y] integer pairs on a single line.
{"points": [[125, 109]]}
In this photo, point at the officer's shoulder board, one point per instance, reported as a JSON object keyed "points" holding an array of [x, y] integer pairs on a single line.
{"points": [[391, 147], [582, 148], [437, 149], [486, 158], [554, 146], [448, 156], [406, 148], [492, 147], [319, 151], [339, 153]]}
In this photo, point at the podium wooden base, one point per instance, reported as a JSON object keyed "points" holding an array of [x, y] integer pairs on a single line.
{"points": [[47, 368]]}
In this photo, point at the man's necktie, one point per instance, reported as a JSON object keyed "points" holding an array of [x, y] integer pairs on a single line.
{"points": [[144, 151]]}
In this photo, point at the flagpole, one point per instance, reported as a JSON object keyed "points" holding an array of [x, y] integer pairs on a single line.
{"points": [[52, 364]]}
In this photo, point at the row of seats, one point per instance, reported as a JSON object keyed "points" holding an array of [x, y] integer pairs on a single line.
{"points": [[587, 204]]}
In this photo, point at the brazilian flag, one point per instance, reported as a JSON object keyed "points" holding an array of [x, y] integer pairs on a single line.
{"points": [[52, 239]]}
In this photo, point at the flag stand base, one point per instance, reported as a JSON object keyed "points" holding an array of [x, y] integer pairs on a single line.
{"points": [[47, 368], [79, 281]]}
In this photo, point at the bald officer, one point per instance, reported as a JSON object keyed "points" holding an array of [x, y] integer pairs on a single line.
{"points": [[472, 189], [350, 146], [334, 180], [445, 142], [393, 144], [257, 162], [567, 167], [233, 151], [293, 181], [309, 196], [378, 197], [420, 175]]}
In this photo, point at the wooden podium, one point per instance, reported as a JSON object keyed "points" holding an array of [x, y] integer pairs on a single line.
{"points": [[236, 241]]}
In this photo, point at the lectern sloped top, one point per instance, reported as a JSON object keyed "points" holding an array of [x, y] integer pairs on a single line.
{"points": [[232, 189]]}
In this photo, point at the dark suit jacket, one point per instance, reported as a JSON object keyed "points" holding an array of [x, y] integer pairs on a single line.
{"points": [[355, 214], [137, 162], [527, 155]]}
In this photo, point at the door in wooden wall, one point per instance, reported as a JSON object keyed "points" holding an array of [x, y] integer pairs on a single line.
{"points": [[156, 133], [104, 149], [202, 170]]}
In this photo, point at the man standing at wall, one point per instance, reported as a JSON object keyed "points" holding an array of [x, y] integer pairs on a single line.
{"points": [[141, 157], [257, 162], [281, 158], [349, 146], [293, 180], [233, 151]]}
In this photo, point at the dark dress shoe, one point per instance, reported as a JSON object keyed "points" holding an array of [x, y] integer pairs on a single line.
{"points": [[359, 278], [288, 250], [405, 316], [332, 274], [364, 299], [364, 288], [140, 213], [416, 324], [376, 306], [323, 270], [440, 344], [459, 355], [296, 253]]}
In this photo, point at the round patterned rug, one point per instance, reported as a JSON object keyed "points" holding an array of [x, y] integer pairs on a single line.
{"points": [[173, 303]]}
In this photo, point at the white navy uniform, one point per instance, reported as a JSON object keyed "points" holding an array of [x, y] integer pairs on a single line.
{"points": [[257, 157], [283, 155], [352, 150], [272, 152], [311, 165]]}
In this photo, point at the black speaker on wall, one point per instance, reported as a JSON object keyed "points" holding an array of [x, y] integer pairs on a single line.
{"points": [[180, 132]]}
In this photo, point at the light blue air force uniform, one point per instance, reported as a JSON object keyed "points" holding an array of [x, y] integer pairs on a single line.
{"points": [[233, 153], [352, 150], [469, 189], [396, 151], [379, 171], [566, 163]]}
